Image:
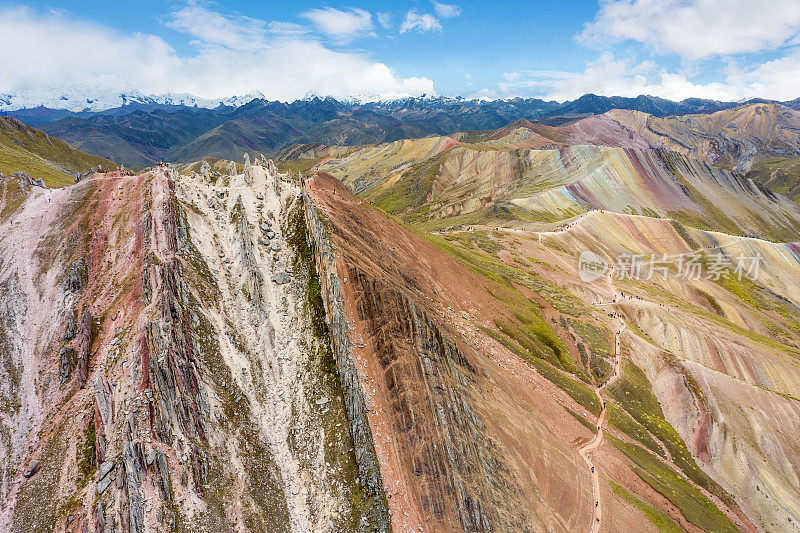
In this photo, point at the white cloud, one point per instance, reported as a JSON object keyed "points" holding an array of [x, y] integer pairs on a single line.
{"points": [[420, 22], [384, 19], [696, 29], [446, 10], [232, 55], [341, 25], [214, 28], [608, 75], [52, 48], [286, 28], [778, 79]]}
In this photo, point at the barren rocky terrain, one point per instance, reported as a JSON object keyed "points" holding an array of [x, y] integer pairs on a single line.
{"points": [[399, 337], [164, 361]]}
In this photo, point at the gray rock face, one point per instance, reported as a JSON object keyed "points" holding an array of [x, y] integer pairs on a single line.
{"points": [[84, 346], [71, 326], [25, 177], [65, 357], [232, 169], [162, 475], [355, 403], [105, 468], [33, 467], [103, 484], [104, 406], [281, 277], [248, 178], [171, 369], [102, 398], [134, 472], [25, 181], [205, 171], [77, 275]]}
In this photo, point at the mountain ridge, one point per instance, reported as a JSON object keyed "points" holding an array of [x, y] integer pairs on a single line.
{"points": [[137, 135], [404, 335], [42, 156]]}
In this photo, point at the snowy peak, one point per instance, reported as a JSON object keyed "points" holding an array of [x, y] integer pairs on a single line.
{"points": [[79, 99]]}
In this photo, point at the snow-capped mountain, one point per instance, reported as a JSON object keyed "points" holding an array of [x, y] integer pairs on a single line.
{"points": [[81, 98]]}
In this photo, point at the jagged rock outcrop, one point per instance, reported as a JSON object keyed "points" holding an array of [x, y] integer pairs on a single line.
{"points": [[169, 366], [25, 180], [66, 358], [134, 468], [248, 179], [159, 461], [24, 176], [77, 275], [428, 379], [80, 176], [104, 416], [83, 348], [253, 278], [205, 171], [71, 324], [368, 465]]}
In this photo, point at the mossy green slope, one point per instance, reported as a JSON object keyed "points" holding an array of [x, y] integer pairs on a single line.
{"points": [[27, 149]]}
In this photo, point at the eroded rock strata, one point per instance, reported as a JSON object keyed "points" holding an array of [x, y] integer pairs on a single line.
{"points": [[243, 352], [165, 363]]}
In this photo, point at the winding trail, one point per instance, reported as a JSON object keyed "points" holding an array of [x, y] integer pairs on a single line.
{"points": [[595, 443]]}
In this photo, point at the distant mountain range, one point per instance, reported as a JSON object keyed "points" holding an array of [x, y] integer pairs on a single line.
{"points": [[85, 100], [182, 128], [535, 327], [589, 164]]}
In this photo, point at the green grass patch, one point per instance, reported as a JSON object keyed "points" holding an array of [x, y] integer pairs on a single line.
{"points": [[408, 194], [574, 388], [87, 455], [694, 505], [620, 420], [27, 149], [599, 339], [659, 518], [633, 392]]}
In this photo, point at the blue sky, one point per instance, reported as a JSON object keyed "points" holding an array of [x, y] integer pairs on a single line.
{"points": [[724, 49]]}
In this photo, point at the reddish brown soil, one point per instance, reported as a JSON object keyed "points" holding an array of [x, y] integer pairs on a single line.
{"points": [[530, 434]]}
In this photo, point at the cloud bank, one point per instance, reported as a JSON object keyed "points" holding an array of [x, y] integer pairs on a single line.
{"points": [[229, 55], [610, 75], [696, 29], [713, 39], [421, 22], [341, 25]]}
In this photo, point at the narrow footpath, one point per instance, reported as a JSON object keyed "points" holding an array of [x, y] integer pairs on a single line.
{"points": [[595, 443]]}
